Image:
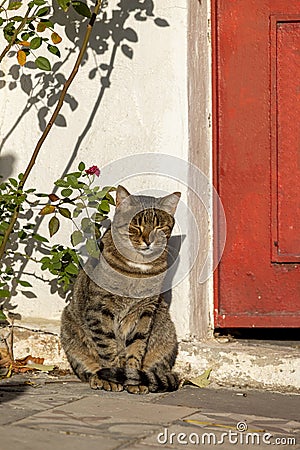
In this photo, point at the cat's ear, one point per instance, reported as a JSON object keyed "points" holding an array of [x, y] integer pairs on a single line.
{"points": [[170, 202], [121, 195]]}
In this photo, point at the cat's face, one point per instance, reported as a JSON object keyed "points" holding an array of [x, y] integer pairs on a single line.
{"points": [[142, 225]]}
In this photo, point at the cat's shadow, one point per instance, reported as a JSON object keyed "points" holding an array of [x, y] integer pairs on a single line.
{"points": [[174, 246]]}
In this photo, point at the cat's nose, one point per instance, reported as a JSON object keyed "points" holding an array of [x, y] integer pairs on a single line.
{"points": [[148, 240]]}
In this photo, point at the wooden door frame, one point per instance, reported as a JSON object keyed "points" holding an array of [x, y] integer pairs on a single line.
{"points": [[201, 324], [215, 139]]}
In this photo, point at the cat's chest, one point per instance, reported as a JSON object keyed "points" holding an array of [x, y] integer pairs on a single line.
{"points": [[127, 319], [140, 266]]}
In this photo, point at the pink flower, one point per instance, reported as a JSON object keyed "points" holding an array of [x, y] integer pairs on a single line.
{"points": [[94, 170]]}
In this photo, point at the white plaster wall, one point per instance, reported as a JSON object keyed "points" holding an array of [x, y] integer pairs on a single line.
{"points": [[144, 110]]}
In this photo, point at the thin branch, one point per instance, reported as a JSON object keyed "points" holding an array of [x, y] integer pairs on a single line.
{"points": [[50, 123], [11, 343], [63, 94]]}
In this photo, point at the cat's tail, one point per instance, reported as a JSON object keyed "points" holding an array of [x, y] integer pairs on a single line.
{"points": [[156, 381]]}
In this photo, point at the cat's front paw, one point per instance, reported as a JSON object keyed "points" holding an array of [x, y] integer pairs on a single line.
{"points": [[97, 383], [137, 389]]}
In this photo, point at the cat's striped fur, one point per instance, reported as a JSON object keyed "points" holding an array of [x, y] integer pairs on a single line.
{"points": [[116, 331]]}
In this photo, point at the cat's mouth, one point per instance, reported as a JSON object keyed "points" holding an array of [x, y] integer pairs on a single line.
{"points": [[146, 251], [150, 252]]}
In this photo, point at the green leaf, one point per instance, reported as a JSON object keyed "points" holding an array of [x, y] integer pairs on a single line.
{"points": [[25, 36], [53, 49], [110, 199], [86, 223], [43, 11], [14, 5], [74, 174], [48, 209], [81, 8], [104, 206], [64, 4], [41, 195], [39, 2], [13, 182], [57, 265], [53, 225], [4, 226], [24, 283], [65, 212], [92, 248], [72, 180], [66, 192], [43, 24], [72, 269], [4, 293], [98, 217], [35, 43], [81, 166], [22, 234], [76, 213], [8, 31], [76, 238], [2, 315], [61, 183], [39, 238], [42, 63]]}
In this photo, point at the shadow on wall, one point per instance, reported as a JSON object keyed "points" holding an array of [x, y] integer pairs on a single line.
{"points": [[109, 35], [6, 166]]}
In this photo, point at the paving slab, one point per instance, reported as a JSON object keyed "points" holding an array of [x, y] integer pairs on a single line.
{"points": [[20, 438], [99, 415], [39, 413], [179, 436], [243, 401]]}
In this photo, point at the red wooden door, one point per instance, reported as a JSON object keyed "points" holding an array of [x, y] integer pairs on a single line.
{"points": [[256, 79]]}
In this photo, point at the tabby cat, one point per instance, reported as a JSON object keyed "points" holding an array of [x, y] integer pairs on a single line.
{"points": [[116, 331]]}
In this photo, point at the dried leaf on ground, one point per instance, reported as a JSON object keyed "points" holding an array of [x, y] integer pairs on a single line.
{"points": [[30, 359], [201, 381], [41, 367], [22, 365]]}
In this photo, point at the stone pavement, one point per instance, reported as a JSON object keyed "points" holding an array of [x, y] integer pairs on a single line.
{"points": [[43, 413]]}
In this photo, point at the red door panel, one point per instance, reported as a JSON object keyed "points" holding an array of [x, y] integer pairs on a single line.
{"points": [[256, 79], [286, 130]]}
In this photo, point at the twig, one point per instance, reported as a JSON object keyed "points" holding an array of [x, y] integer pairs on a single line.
{"points": [[50, 124], [11, 344]]}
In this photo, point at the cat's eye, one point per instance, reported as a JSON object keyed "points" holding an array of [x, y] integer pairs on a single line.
{"points": [[137, 228]]}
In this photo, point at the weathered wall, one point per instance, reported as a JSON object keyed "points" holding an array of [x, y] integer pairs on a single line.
{"points": [[144, 108]]}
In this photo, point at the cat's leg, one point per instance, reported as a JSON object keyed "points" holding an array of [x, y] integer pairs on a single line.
{"points": [[81, 352], [136, 345], [100, 325], [161, 354]]}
